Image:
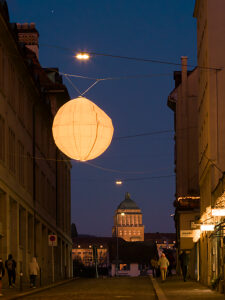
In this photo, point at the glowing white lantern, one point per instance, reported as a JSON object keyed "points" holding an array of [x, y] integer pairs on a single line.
{"points": [[82, 130], [218, 212], [207, 227]]}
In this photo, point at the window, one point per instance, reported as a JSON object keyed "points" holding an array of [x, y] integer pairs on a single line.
{"points": [[124, 267], [29, 174], [12, 91], [2, 68], [2, 139], [21, 159], [21, 100], [11, 152]]}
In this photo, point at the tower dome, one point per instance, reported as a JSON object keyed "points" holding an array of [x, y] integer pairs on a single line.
{"points": [[127, 203], [128, 221]]}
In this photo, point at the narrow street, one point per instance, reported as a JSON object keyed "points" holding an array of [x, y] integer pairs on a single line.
{"points": [[139, 288]]}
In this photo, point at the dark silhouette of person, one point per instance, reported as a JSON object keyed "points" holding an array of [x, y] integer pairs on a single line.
{"points": [[184, 260], [10, 266]]}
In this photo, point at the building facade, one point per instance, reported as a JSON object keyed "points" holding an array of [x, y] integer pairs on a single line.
{"points": [[34, 175], [128, 221], [83, 251], [211, 124], [183, 101]]}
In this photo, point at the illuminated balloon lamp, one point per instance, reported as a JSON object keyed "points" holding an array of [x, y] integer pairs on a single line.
{"points": [[82, 130]]}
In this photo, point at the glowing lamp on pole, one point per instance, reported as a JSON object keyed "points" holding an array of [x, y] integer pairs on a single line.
{"points": [[82, 56], [81, 130]]}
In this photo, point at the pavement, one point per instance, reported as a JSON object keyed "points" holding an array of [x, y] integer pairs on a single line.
{"points": [[16, 293], [174, 288]]}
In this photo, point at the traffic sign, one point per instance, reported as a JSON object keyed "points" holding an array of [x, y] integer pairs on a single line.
{"points": [[52, 240]]}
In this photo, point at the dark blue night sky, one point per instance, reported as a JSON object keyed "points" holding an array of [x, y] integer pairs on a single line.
{"points": [[155, 29]]}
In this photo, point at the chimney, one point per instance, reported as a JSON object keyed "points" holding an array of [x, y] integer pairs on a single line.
{"points": [[28, 34], [184, 75]]}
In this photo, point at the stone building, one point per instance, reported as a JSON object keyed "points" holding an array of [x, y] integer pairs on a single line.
{"points": [[83, 250], [34, 175], [211, 124], [183, 102], [128, 221]]}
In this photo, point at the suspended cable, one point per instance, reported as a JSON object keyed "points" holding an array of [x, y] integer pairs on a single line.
{"points": [[142, 134], [73, 85], [119, 171], [123, 180], [115, 78], [130, 58], [91, 86]]}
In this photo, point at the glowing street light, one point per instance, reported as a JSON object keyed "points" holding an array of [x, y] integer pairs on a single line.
{"points": [[82, 56], [119, 182]]}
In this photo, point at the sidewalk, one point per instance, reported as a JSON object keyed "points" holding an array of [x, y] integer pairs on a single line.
{"points": [[174, 288], [15, 293]]}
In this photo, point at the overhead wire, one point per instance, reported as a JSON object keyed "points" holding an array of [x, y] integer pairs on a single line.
{"points": [[128, 57]]}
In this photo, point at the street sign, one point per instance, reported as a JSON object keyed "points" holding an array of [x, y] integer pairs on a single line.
{"points": [[186, 233], [52, 240]]}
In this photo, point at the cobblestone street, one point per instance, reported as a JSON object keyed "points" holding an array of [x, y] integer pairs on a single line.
{"points": [[111, 288]]}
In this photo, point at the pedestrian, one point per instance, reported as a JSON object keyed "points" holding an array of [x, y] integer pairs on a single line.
{"points": [[184, 260], [154, 264], [163, 264], [10, 266], [2, 273], [33, 271]]}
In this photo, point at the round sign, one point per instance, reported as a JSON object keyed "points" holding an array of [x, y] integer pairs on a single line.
{"points": [[52, 238]]}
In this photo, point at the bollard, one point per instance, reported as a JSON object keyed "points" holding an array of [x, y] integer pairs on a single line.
{"points": [[21, 281]]}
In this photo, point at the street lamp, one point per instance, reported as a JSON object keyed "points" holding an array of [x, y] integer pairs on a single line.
{"points": [[82, 56], [117, 243], [119, 182]]}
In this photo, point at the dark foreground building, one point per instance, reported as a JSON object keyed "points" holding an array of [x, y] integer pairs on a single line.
{"points": [[34, 175]]}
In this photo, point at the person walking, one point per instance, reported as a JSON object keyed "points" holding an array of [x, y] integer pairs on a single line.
{"points": [[184, 260], [33, 270], [10, 266], [2, 273], [154, 264], [163, 264]]}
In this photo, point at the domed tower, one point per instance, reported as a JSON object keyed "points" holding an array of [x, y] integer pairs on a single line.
{"points": [[128, 221]]}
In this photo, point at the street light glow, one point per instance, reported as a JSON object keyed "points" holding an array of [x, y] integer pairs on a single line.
{"points": [[82, 56], [119, 182]]}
